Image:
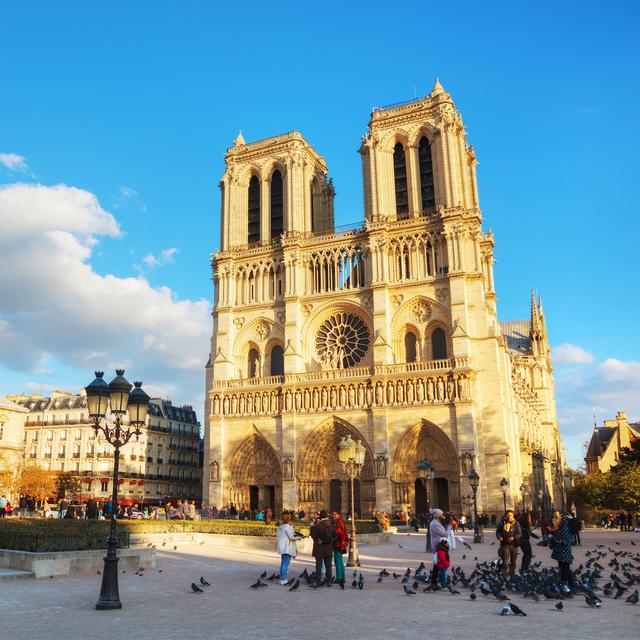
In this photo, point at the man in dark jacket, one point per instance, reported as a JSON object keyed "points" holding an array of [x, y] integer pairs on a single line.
{"points": [[92, 509], [509, 533], [322, 534]]}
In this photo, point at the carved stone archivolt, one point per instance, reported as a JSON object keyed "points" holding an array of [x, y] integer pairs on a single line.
{"points": [[405, 391], [253, 462], [318, 464]]}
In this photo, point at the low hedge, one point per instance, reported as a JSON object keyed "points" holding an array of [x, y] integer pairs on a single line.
{"points": [[58, 535], [68, 535]]}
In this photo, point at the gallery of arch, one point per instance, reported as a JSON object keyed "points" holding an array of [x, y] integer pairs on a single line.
{"points": [[387, 332]]}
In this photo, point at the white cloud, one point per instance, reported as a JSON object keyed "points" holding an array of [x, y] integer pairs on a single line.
{"points": [[596, 388], [568, 353], [164, 257], [13, 162], [129, 194], [54, 305]]}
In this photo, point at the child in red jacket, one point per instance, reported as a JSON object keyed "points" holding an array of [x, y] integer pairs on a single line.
{"points": [[443, 564]]}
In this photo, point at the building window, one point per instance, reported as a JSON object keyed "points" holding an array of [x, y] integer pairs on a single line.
{"points": [[427, 190], [438, 344], [253, 361], [104, 486], [410, 347], [277, 361], [1, 431], [254, 211], [400, 176], [277, 205]]}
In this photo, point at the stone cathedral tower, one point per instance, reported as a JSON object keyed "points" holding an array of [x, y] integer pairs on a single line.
{"points": [[387, 332]]}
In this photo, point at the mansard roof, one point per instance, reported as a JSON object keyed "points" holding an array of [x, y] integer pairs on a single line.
{"points": [[600, 440]]}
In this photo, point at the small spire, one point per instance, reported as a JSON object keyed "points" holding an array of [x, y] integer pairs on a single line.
{"points": [[534, 310], [437, 88], [239, 141]]}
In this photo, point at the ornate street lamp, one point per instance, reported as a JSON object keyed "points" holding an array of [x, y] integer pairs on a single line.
{"points": [[504, 487], [474, 481], [468, 501], [426, 473], [117, 398], [352, 454], [523, 491]]}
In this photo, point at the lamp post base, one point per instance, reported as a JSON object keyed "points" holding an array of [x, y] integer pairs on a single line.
{"points": [[478, 537], [109, 592]]}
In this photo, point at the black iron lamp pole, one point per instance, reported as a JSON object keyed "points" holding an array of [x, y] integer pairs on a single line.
{"points": [[121, 399], [426, 472], [474, 481], [352, 455], [523, 491], [504, 486]]}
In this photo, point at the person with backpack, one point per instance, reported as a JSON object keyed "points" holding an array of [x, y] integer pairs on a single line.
{"points": [[322, 534]]}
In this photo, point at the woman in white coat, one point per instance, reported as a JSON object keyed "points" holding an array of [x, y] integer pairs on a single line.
{"points": [[286, 546]]}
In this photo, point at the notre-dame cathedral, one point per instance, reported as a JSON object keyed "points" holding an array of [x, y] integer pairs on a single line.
{"points": [[387, 331]]}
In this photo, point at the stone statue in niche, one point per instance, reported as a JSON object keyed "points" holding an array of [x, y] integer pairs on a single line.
{"points": [[369, 394], [420, 391], [466, 463], [410, 392], [390, 393], [225, 406], [315, 398], [379, 398], [450, 389], [352, 396], [250, 404], [234, 405], [216, 405], [430, 390], [241, 405], [462, 392], [440, 389], [400, 392], [214, 471], [287, 469], [324, 397], [381, 464], [361, 395], [343, 397]]}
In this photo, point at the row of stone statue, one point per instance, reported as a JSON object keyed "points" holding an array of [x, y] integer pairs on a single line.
{"points": [[346, 396]]}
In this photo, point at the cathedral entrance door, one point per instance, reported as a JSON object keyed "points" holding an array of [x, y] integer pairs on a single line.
{"points": [[254, 497], [335, 496], [421, 497], [269, 497], [441, 491], [356, 495]]}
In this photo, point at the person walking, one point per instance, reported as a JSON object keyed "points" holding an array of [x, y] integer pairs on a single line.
{"points": [[443, 562], [437, 530], [341, 540], [3, 506], [525, 543], [463, 522], [508, 533], [560, 544], [92, 509], [322, 534], [574, 527], [286, 546]]}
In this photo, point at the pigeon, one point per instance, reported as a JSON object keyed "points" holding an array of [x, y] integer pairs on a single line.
{"points": [[408, 591], [263, 574], [304, 574], [159, 570], [175, 547], [204, 582], [99, 572], [361, 583], [415, 584], [517, 610], [453, 592], [295, 585], [420, 567], [559, 606], [354, 584], [395, 575], [400, 546], [379, 579], [195, 588], [464, 557], [592, 601], [506, 611], [633, 598], [258, 584], [473, 596], [272, 577], [632, 542], [619, 592]]}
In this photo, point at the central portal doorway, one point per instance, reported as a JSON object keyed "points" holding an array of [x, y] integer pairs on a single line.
{"points": [[335, 496], [421, 497], [254, 497]]}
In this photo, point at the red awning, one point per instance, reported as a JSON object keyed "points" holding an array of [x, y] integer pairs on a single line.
{"points": [[121, 481], [87, 480], [140, 481], [132, 482], [105, 479]]}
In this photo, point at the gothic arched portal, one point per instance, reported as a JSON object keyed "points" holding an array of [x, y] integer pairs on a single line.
{"points": [[254, 475], [426, 441], [318, 470]]}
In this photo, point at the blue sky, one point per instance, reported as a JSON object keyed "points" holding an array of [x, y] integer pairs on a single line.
{"points": [[134, 104]]}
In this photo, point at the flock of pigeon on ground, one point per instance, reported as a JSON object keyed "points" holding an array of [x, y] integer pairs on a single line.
{"points": [[607, 574]]}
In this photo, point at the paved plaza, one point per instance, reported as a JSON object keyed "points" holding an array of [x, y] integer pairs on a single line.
{"points": [[160, 604]]}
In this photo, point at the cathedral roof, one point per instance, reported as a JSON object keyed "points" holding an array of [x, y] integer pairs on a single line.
{"points": [[516, 333]]}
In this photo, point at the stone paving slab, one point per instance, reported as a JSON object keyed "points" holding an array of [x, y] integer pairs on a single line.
{"points": [[160, 604], [14, 574]]}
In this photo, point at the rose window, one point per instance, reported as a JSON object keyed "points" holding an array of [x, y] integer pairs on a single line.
{"points": [[342, 341]]}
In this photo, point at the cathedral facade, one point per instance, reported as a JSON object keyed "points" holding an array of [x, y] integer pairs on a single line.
{"points": [[387, 332]]}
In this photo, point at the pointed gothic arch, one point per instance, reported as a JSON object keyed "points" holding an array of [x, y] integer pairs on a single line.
{"points": [[425, 440], [318, 465], [253, 469]]}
